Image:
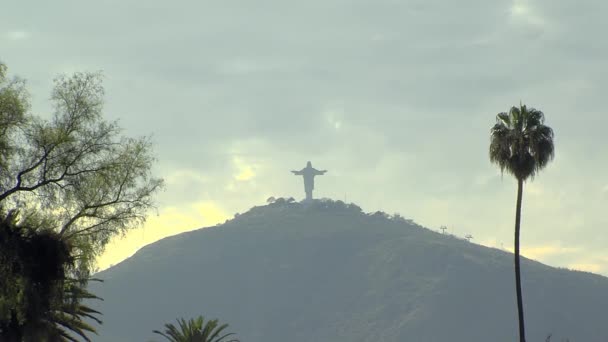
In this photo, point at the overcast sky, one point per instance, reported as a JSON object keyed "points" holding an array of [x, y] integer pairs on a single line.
{"points": [[394, 97]]}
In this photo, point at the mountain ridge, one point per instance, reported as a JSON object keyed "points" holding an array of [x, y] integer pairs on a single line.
{"points": [[326, 271]]}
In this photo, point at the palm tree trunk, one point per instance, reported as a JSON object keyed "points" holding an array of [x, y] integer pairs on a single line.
{"points": [[520, 306]]}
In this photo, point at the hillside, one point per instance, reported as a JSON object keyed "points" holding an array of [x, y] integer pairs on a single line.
{"points": [[327, 272]]}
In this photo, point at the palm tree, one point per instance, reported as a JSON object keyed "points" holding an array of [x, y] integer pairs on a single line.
{"points": [[68, 320], [39, 300], [196, 330], [521, 145]]}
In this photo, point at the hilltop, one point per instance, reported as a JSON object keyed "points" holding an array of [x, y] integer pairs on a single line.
{"points": [[328, 272]]}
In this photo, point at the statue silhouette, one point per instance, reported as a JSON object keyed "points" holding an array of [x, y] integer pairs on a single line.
{"points": [[309, 174]]}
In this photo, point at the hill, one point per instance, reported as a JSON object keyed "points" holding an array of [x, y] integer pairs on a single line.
{"points": [[327, 272]]}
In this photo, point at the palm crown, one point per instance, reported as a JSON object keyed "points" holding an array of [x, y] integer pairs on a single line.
{"points": [[196, 330], [520, 142]]}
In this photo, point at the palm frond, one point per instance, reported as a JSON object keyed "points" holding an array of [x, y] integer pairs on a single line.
{"points": [[504, 119], [520, 143], [73, 324], [535, 118], [70, 314], [214, 334], [515, 118], [195, 330], [168, 337]]}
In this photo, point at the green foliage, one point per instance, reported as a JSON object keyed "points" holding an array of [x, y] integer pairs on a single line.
{"points": [[196, 330], [520, 142], [76, 182], [37, 301], [76, 172], [13, 108]]}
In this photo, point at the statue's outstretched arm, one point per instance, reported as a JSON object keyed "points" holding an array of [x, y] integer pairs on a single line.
{"points": [[299, 173]]}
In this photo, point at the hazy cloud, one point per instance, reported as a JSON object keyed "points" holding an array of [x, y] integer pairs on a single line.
{"points": [[394, 98], [17, 35]]}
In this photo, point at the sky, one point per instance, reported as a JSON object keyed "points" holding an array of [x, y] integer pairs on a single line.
{"points": [[395, 98]]}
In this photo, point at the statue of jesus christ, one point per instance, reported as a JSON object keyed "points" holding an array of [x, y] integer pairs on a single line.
{"points": [[309, 174]]}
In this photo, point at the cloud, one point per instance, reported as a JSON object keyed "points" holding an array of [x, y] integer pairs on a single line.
{"points": [[593, 268], [523, 12], [557, 253], [334, 117], [542, 252], [589, 261], [394, 98], [246, 67], [17, 35], [244, 171], [170, 221], [185, 176]]}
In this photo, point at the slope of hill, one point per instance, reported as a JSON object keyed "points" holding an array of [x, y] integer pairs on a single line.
{"points": [[326, 272]]}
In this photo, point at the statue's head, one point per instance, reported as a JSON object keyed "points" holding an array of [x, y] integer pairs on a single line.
{"points": [[308, 164]]}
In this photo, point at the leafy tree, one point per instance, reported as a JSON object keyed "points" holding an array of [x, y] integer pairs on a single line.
{"points": [[13, 106], [37, 302], [76, 181], [75, 170], [521, 145], [196, 330], [280, 201]]}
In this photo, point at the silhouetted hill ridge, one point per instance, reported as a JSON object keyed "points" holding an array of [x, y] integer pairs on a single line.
{"points": [[327, 271]]}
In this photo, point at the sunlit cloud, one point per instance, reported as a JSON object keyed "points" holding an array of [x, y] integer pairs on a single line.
{"points": [[485, 179], [574, 258], [534, 189], [170, 221], [590, 262], [536, 252], [244, 171], [210, 212], [522, 12], [334, 118], [17, 35], [185, 176], [587, 267], [382, 122], [541, 252]]}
